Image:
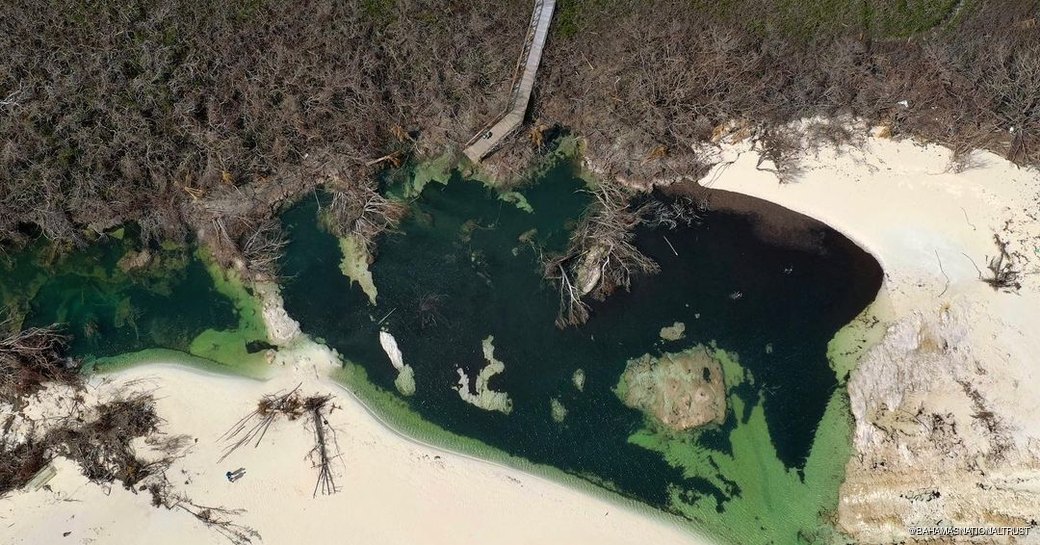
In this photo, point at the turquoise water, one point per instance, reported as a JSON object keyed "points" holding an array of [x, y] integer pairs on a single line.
{"points": [[110, 312], [461, 247]]}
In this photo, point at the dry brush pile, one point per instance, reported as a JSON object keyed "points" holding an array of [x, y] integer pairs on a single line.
{"points": [[102, 436], [291, 406], [601, 256]]}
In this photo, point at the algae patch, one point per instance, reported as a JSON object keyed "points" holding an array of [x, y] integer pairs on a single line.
{"points": [[354, 265], [578, 378], [557, 410], [681, 390], [755, 498], [231, 347], [516, 199], [482, 396]]}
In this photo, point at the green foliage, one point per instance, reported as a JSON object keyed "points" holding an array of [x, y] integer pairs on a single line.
{"points": [[229, 347]]}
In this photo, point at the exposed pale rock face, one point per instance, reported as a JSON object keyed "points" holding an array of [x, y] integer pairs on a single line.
{"points": [[354, 265], [482, 396], [589, 274], [934, 439], [681, 390]]}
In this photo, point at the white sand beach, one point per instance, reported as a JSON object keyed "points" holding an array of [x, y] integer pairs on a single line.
{"points": [[944, 403], [392, 490]]}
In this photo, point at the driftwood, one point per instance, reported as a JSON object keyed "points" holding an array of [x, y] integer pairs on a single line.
{"points": [[292, 406], [314, 406], [1002, 267], [255, 424]]}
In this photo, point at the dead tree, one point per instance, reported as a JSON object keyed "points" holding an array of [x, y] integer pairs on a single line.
{"points": [[220, 519], [255, 424], [601, 257], [263, 247], [359, 210], [291, 406], [314, 405]]}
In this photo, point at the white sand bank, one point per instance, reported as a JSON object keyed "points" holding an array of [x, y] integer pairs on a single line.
{"points": [[392, 490], [947, 423]]}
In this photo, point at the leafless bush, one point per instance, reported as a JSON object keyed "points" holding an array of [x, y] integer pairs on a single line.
{"points": [[139, 114], [1002, 267], [31, 358], [263, 247], [142, 114], [358, 209]]}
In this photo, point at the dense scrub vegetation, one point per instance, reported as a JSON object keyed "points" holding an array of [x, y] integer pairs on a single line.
{"points": [[202, 117]]}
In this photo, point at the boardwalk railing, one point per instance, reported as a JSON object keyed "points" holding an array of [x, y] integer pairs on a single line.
{"points": [[488, 137]]}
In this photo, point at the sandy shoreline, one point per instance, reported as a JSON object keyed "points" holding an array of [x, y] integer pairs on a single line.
{"points": [[393, 489], [947, 427], [951, 348]]}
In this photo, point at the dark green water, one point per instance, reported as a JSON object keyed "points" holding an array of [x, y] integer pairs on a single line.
{"points": [[768, 475], [111, 312], [489, 283]]}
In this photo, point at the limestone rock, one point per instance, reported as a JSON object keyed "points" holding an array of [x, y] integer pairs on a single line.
{"points": [[681, 390]]}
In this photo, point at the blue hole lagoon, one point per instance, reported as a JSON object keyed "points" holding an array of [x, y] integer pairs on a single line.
{"points": [[464, 266]]}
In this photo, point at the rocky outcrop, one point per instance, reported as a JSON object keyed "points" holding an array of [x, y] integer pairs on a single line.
{"points": [[673, 332], [934, 439], [405, 381], [682, 390], [281, 328]]}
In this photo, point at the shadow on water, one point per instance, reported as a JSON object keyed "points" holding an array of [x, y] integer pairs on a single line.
{"points": [[460, 270]]}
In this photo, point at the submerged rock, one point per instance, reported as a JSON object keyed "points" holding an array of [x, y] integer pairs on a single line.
{"points": [[133, 260], [482, 396], [673, 332], [681, 390], [579, 379], [558, 410], [405, 381], [354, 265]]}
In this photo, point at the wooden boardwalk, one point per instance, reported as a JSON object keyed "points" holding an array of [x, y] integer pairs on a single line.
{"points": [[485, 141]]}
